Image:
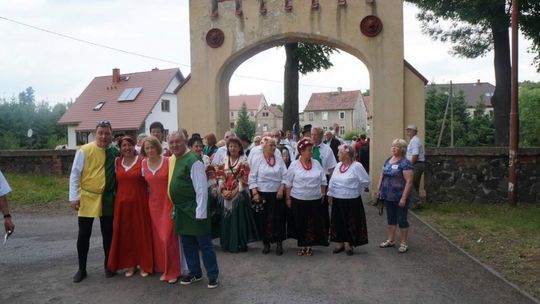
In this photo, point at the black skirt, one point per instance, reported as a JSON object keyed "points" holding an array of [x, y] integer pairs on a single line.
{"points": [[271, 217], [311, 224], [348, 222]]}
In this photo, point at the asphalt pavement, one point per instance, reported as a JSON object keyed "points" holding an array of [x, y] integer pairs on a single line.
{"points": [[38, 262]]}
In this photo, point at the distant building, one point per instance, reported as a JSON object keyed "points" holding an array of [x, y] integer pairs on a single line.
{"points": [[131, 102], [254, 103], [474, 93], [268, 118], [346, 108]]}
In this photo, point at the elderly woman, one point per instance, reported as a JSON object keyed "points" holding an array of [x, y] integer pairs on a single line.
{"points": [[165, 243], [266, 182], [132, 238], [348, 224], [211, 146], [394, 187], [238, 227], [306, 185]]}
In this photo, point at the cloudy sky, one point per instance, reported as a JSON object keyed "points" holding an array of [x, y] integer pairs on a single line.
{"points": [[59, 68]]}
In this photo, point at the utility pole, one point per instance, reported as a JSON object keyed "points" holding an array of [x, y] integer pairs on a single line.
{"points": [[448, 101], [514, 122]]}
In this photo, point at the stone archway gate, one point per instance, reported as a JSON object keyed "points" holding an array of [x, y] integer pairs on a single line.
{"points": [[224, 38]]}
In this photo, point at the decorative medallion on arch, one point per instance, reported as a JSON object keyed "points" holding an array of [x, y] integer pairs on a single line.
{"points": [[225, 33]]}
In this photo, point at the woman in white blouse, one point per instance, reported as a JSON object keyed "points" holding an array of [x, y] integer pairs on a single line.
{"points": [[266, 182], [348, 225], [306, 186]]}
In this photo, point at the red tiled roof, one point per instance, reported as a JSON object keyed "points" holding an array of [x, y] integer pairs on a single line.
{"points": [[328, 101], [127, 115], [253, 102]]}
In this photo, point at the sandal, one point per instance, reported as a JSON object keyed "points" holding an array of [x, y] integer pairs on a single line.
{"points": [[309, 252], [387, 244], [130, 272], [302, 251], [403, 248]]}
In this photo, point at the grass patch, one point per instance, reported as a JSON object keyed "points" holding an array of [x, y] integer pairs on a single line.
{"points": [[505, 238], [36, 192]]}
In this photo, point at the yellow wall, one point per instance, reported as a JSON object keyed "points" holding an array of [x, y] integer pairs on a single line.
{"points": [[203, 100]]}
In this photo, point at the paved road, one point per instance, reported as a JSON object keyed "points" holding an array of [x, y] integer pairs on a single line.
{"points": [[39, 261]]}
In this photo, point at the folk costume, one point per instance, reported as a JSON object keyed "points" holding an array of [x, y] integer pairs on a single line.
{"points": [[348, 223], [132, 238], [188, 190], [92, 182], [164, 239], [238, 227]]}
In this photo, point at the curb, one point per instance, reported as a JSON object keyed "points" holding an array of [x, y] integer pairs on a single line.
{"points": [[486, 267]]}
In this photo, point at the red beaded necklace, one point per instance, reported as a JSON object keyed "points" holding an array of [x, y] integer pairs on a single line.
{"points": [[271, 161], [307, 167], [343, 168]]}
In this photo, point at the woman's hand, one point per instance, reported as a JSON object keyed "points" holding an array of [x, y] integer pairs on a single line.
{"points": [[289, 202], [255, 197], [279, 194], [402, 202]]}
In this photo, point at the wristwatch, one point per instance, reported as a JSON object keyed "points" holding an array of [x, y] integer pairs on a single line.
{"points": [[7, 215]]}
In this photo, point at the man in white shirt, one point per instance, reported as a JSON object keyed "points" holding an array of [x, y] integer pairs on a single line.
{"points": [[322, 152], [415, 154], [4, 190]]}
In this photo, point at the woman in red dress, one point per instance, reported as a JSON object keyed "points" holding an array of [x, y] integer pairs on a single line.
{"points": [[132, 235], [164, 239]]}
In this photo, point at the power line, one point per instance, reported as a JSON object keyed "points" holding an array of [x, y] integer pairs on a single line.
{"points": [[142, 55]]}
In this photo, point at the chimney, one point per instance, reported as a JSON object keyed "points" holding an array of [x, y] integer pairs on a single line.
{"points": [[478, 81], [339, 90], [116, 75]]}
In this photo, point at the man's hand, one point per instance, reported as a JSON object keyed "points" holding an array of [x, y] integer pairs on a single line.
{"points": [[8, 224], [75, 204]]}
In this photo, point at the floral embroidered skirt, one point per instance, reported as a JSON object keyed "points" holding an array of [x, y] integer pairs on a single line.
{"points": [[348, 222]]}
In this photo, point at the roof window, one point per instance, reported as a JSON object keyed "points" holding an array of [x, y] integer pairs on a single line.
{"points": [[99, 105], [129, 94]]}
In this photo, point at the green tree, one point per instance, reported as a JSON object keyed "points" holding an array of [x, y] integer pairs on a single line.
{"points": [[480, 131], [301, 58], [435, 107], [529, 117], [475, 27], [244, 126]]}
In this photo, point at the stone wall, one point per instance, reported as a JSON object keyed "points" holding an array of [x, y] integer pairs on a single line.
{"points": [[43, 162], [479, 174]]}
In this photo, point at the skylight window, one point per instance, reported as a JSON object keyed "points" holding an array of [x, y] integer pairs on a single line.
{"points": [[99, 105], [129, 94]]}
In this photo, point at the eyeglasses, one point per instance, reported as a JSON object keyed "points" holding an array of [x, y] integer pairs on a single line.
{"points": [[103, 123]]}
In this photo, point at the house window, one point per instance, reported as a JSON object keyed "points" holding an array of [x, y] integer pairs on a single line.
{"points": [[310, 116], [82, 138], [99, 105], [165, 105], [265, 128], [265, 114], [324, 115], [232, 125], [341, 115], [341, 130], [232, 114]]}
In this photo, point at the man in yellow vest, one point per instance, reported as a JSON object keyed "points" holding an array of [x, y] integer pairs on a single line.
{"points": [[92, 187]]}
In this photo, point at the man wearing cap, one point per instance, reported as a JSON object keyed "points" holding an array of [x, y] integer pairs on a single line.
{"points": [[415, 154], [92, 186]]}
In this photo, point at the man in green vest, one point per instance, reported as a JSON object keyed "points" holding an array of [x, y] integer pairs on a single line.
{"points": [[188, 190], [92, 186]]}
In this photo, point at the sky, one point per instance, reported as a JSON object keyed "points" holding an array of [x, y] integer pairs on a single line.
{"points": [[59, 69]]}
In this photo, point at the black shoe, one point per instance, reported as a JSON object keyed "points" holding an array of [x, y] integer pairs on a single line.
{"points": [[213, 284], [349, 252], [79, 276], [338, 250], [266, 249], [243, 248], [189, 279], [109, 274], [279, 248]]}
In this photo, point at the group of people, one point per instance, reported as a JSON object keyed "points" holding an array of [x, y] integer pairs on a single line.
{"points": [[161, 204]]}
